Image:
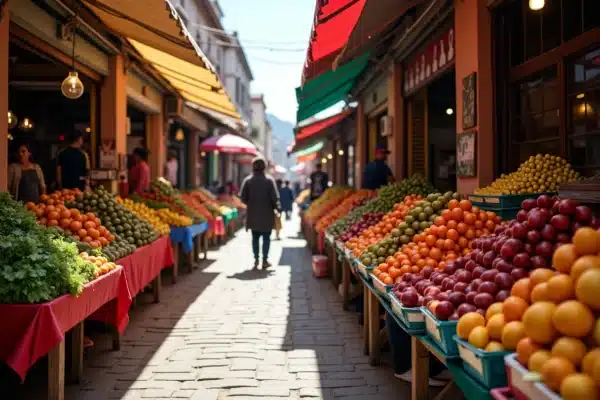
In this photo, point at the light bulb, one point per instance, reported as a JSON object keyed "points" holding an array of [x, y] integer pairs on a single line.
{"points": [[72, 87], [203, 154], [341, 152], [329, 156], [449, 111], [323, 160], [179, 135], [536, 4], [26, 124], [580, 95], [12, 120]]}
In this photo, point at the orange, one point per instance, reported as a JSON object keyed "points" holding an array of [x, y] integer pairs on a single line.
{"points": [[513, 308], [540, 275], [555, 370], [540, 292], [494, 346], [564, 257], [582, 264], [452, 204], [587, 365], [456, 214], [537, 360], [525, 348], [537, 321], [495, 325], [465, 205], [479, 337], [560, 288], [578, 387], [587, 289], [467, 323], [586, 241], [522, 288], [492, 310], [570, 348], [596, 331], [512, 333], [573, 318]]}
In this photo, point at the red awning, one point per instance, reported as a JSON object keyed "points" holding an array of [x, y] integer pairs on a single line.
{"points": [[316, 127], [334, 21], [228, 143]]}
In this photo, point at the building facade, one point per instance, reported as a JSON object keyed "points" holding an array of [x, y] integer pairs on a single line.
{"points": [[237, 77], [261, 129]]}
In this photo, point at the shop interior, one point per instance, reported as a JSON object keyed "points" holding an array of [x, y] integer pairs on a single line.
{"points": [[136, 131], [441, 131], [40, 115], [177, 144]]}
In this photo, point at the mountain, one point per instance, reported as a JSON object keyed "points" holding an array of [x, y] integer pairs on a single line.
{"points": [[283, 137]]}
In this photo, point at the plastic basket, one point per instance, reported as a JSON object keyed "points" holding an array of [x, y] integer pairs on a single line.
{"points": [[441, 332], [319, 266], [381, 287], [485, 366], [505, 200], [521, 387], [412, 317], [364, 270]]}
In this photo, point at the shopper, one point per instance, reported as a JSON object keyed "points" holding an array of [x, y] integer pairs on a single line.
{"points": [[139, 174], [377, 172], [73, 165], [171, 168], [319, 181], [25, 178], [260, 195], [286, 197]]}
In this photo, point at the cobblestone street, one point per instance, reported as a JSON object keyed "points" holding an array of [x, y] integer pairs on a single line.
{"points": [[226, 331]]}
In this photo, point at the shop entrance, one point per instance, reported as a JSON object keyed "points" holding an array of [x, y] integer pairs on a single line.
{"points": [[136, 132], [441, 132]]}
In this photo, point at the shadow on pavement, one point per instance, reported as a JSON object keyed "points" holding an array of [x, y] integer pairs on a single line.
{"points": [[252, 274]]}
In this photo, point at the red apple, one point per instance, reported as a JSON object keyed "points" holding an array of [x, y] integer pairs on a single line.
{"points": [[539, 262], [457, 298], [475, 283], [521, 216], [519, 231], [519, 273], [470, 265], [528, 204], [536, 219], [548, 232], [427, 271], [443, 296], [567, 206], [544, 201], [444, 310], [521, 260], [488, 287], [489, 275], [483, 300], [471, 297], [544, 249], [432, 291], [477, 272], [560, 222], [505, 266], [488, 258], [465, 308], [410, 299], [583, 214], [454, 316], [425, 300], [502, 295], [459, 287], [504, 281], [439, 278], [450, 268], [533, 237]]}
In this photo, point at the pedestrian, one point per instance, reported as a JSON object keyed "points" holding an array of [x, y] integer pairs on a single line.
{"points": [[73, 165], [171, 168], [25, 178], [286, 197], [319, 181], [139, 174], [279, 184], [214, 187], [260, 195], [377, 173]]}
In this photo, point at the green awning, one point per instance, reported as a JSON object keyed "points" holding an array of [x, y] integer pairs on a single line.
{"points": [[308, 150], [329, 88]]}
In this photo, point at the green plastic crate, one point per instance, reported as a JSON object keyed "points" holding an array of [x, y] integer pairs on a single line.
{"points": [[441, 332], [504, 213], [504, 201], [412, 318], [487, 367], [364, 270], [381, 287]]}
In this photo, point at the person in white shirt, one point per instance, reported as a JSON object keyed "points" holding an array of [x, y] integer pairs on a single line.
{"points": [[171, 168]]}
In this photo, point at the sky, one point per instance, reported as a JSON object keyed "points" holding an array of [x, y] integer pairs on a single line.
{"points": [[275, 35]]}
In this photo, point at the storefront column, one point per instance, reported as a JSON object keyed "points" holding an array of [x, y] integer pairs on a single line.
{"points": [[361, 143], [339, 164], [113, 107], [4, 97], [157, 144], [396, 140], [192, 158], [473, 36]]}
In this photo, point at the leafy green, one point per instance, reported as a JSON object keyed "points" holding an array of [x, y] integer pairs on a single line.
{"points": [[37, 264]]}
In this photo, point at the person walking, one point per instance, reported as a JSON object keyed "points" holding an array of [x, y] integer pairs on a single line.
{"points": [[171, 168], [286, 197], [260, 195], [139, 174], [25, 178], [377, 173], [319, 181], [73, 165]]}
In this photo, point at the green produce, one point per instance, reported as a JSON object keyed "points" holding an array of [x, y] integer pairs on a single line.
{"points": [[37, 263]]}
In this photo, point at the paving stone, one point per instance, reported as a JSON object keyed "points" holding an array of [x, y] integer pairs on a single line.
{"points": [[175, 376], [355, 391], [260, 392], [157, 393], [228, 383], [244, 364]]}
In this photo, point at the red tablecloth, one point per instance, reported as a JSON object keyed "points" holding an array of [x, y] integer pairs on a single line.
{"points": [[217, 226], [29, 331], [144, 264]]}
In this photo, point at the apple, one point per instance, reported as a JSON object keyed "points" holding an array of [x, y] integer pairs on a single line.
{"points": [[483, 300], [407, 277], [460, 263], [477, 272], [519, 231], [425, 300], [410, 299], [489, 275], [444, 310], [521, 260], [454, 317], [583, 214], [539, 262], [499, 229], [488, 258], [464, 276], [563, 237], [522, 216], [422, 285], [548, 232], [479, 258], [544, 201], [536, 219], [486, 245], [510, 248], [471, 297], [460, 287], [529, 248], [504, 281], [505, 266], [443, 296], [502, 295], [416, 278], [528, 204], [470, 265], [439, 278], [475, 283], [545, 213], [432, 291], [432, 305], [427, 271], [497, 262], [533, 237], [457, 298], [560, 222], [519, 273], [448, 283], [567, 207], [488, 287], [450, 268], [544, 249], [465, 308]]}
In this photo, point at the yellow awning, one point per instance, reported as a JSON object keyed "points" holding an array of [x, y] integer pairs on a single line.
{"points": [[152, 22], [195, 84]]}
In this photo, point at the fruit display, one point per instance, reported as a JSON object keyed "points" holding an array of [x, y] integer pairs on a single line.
{"points": [[147, 214], [540, 173], [196, 204], [329, 200], [371, 237], [85, 228], [172, 218], [104, 266], [162, 195], [356, 199], [367, 220], [37, 264], [387, 196]]}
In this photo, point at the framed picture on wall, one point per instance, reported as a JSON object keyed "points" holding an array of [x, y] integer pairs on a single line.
{"points": [[466, 154], [469, 100]]}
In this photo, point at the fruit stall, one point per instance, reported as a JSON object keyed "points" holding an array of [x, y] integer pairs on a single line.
{"points": [[501, 287]]}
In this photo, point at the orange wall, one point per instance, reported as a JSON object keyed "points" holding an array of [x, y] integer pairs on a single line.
{"points": [[4, 99], [155, 125], [472, 25], [113, 105]]}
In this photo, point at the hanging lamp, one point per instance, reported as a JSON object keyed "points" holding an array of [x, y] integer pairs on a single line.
{"points": [[72, 87], [12, 120]]}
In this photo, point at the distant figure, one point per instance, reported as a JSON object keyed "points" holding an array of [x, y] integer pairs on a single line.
{"points": [[73, 165], [214, 187], [377, 173], [286, 197], [139, 174], [260, 195], [171, 168], [297, 189], [232, 188], [319, 181], [25, 178]]}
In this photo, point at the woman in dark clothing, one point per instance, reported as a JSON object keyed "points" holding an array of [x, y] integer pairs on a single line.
{"points": [[286, 197], [25, 178], [260, 195]]}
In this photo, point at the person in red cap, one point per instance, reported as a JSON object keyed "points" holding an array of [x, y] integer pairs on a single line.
{"points": [[377, 172]]}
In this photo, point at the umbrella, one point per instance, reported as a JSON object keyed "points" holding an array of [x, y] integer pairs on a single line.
{"points": [[228, 143]]}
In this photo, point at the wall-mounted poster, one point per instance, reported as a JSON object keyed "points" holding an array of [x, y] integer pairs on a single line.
{"points": [[469, 98], [466, 154]]}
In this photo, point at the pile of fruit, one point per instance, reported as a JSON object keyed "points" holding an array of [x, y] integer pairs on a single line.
{"points": [[162, 195], [356, 199], [104, 266], [371, 237], [202, 209], [366, 220], [540, 173], [147, 214], [329, 200], [172, 218]]}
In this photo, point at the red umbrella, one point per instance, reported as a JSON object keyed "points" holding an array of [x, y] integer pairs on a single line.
{"points": [[228, 143]]}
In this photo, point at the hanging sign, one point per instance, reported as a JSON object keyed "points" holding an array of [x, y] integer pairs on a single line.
{"points": [[466, 154], [434, 59]]}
